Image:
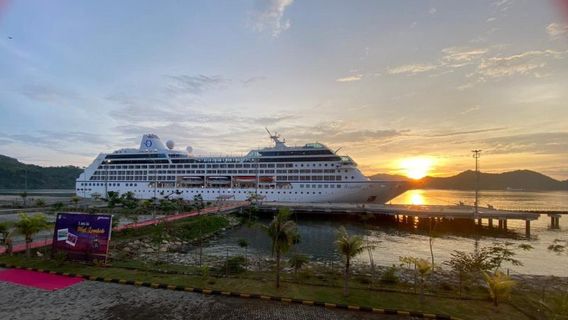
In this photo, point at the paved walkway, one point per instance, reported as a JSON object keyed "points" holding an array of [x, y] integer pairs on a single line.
{"points": [[96, 300]]}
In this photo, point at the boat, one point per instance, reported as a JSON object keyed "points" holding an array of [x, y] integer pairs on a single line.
{"points": [[306, 173]]}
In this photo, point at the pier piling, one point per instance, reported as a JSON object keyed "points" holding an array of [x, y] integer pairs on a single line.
{"points": [[490, 222], [528, 228], [554, 221]]}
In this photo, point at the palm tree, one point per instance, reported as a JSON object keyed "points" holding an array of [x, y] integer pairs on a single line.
{"points": [[349, 247], [28, 226], [499, 286], [284, 234]]}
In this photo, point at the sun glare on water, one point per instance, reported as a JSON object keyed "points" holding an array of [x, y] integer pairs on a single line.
{"points": [[417, 168]]}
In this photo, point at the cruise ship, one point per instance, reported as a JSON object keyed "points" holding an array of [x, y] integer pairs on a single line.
{"points": [[308, 173]]}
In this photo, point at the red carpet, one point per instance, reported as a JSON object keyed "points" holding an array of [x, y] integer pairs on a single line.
{"points": [[40, 280]]}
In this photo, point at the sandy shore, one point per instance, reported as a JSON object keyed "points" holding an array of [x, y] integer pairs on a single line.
{"points": [[95, 300]]}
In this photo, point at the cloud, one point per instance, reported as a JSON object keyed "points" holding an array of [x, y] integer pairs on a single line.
{"points": [[461, 56], [538, 143], [411, 69], [432, 11], [556, 30], [269, 14], [195, 84], [503, 5], [459, 133], [65, 142], [352, 78], [251, 80], [47, 93], [472, 109], [526, 63]]}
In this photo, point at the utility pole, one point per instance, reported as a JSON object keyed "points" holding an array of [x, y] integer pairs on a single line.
{"points": [[476, 155]]}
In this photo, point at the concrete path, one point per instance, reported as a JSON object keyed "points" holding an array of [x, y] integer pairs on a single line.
{"points": [[96, 300]]}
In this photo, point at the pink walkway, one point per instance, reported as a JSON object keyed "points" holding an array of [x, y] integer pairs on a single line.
{"points": [[40, 280], [20, 247]]}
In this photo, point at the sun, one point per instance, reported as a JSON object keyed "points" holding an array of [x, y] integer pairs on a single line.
{"points": [[417, 167]]}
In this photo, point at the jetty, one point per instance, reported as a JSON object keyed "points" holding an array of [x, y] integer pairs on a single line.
{"points": [[403, 212]]}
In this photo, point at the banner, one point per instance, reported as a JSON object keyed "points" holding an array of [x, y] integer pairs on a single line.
{"points": [[82, 236]]}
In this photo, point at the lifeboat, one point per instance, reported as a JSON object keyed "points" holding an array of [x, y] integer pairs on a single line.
{"points": [[245, 179], [219, 180], [266, 179], [192, 180]]}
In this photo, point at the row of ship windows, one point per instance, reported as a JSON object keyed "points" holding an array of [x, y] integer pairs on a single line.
{"points": [[216, 166], [98, 184], [173, 178], [143, 172]]}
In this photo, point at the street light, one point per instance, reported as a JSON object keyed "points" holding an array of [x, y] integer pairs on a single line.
{"points": [[476, 156]]}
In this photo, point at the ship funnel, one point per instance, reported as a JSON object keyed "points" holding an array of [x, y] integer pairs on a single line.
{"points": [[151, 142]]}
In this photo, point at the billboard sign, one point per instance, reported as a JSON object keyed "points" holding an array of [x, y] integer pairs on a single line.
{"points": [[82, 236]]}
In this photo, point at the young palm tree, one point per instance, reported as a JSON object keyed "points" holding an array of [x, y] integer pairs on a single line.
{"points": [[75, 201], [349, 247], [499, 286], [28, 226], [297, 261], [4, 231], [424, 268], [284, 234]]}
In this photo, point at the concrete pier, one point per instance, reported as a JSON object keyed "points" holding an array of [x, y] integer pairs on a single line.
{"points": [[408, 214]]}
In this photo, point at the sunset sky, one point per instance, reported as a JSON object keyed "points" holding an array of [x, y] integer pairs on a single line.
{"points": [[392, 83]]}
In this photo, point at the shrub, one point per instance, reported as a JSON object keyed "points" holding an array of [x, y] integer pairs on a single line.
{"points": [[235, 264], [60, 257], [390, 276]]}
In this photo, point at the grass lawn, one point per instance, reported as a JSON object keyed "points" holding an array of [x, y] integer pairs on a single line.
{"points": [[465, 309]]}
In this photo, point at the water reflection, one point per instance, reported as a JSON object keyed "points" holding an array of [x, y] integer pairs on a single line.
{"points": [[318, 233], [416, 197]]}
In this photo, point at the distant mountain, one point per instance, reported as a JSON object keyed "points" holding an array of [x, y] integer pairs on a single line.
{"points": [[13, 175], [513, 180]]}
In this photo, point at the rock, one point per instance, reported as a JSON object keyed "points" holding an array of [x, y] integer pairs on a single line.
{"points": [[163, 249], [127, 249]]}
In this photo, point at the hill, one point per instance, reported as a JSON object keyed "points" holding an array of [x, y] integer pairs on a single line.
{"points": [[517, 180], [13, 175]]}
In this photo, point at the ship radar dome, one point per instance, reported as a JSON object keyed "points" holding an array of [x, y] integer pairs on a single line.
{"points": [[189, 149], [170, 144]]}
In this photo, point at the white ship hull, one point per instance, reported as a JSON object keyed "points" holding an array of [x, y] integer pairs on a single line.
{"points": [[356, 192], [310, 173]]}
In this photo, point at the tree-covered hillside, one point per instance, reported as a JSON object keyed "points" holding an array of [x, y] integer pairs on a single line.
{"points": [[13, 175]]}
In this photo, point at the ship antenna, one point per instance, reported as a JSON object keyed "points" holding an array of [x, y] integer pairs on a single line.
{"points": [[276, 138], [337, 150]]}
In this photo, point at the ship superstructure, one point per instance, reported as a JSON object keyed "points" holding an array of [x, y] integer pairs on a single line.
{"points": [[308, 173]]}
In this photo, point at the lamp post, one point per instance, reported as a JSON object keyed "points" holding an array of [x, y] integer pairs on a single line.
{"points": [[476, 155]]}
